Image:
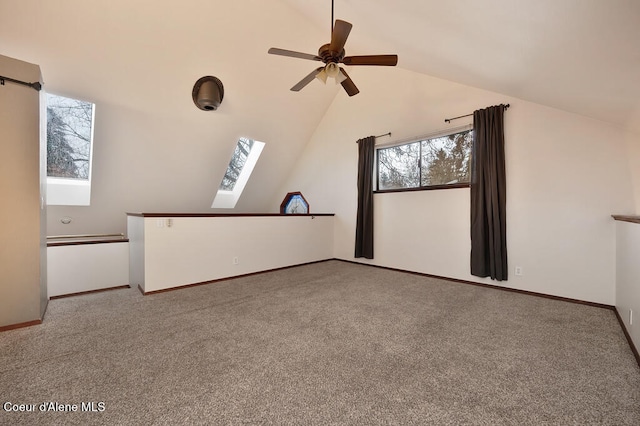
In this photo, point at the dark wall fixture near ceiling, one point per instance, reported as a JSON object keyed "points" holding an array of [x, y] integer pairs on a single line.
{"points": [[208, 93]]}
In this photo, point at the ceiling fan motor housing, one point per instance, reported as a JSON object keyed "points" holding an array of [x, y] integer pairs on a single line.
{"points": [[328, 55]]}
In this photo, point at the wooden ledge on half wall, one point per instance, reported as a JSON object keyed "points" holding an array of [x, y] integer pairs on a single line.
{"points": [[626, 218], [83, 239], [225, 214]]}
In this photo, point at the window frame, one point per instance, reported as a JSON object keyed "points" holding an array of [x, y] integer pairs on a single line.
{"points": [[288, 198], [445, 133], [227, 199]]}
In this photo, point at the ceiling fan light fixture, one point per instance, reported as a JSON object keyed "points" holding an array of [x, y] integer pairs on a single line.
{"points": [[322, 76], [340, 78], [332, 69]]}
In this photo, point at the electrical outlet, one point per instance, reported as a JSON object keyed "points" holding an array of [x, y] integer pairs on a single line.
{"points": [[630, 316], [518, 270], [236, 260]]}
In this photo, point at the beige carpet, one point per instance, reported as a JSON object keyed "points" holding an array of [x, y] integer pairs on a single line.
{"points": [[328, 343]]}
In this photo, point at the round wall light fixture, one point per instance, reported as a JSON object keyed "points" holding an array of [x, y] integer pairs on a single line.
{"points": [[208, 93]]}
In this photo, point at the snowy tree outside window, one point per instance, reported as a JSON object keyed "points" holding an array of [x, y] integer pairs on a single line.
{"points": [[69, 137], [435, 162]]}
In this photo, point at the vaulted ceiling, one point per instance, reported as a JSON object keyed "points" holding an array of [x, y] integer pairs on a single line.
{"points": [[581, 56], [138, 60]]}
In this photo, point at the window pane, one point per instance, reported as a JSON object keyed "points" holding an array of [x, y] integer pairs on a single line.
{"points": [[236, 164], [69, 133], [446, 160], [398, 166], [297, 205]]}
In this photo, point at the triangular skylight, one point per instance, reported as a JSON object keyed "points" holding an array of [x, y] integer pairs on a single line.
{"points": [[242, 162]]}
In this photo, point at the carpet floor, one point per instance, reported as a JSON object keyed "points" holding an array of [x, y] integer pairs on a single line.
{"points": [[327, 343]]}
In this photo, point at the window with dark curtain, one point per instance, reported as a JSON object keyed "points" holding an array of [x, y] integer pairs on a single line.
{"points": [[488, 195], [364, 223]]}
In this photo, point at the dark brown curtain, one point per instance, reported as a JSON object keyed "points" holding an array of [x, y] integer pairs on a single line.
{"points": [[488, 195], [364, 224]]}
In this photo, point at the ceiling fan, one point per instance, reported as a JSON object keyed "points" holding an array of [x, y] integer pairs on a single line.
{"points": [[333, 54]]}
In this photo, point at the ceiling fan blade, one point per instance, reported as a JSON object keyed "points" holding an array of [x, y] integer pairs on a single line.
{"points": [[348, 84], [339, 35], [308, 79], [292, 54], [384, 60]]}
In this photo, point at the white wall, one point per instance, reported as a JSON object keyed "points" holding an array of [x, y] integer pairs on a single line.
{"points": [[138, 62], [633, 154], [135, 232], [23, 293], [628, 276], [198, 249], [86, 267], [566, 174]]}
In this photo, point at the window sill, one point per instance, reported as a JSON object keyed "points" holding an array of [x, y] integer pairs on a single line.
{"points": [[424, 188], [68, 192]]}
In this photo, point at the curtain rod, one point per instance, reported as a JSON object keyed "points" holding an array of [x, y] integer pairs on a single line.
{"points": [[379, 136], [426, 136], [448, 120], [35, 85]]}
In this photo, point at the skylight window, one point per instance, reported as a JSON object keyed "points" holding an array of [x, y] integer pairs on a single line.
{"points": [[69, 150], [242, 162]]}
